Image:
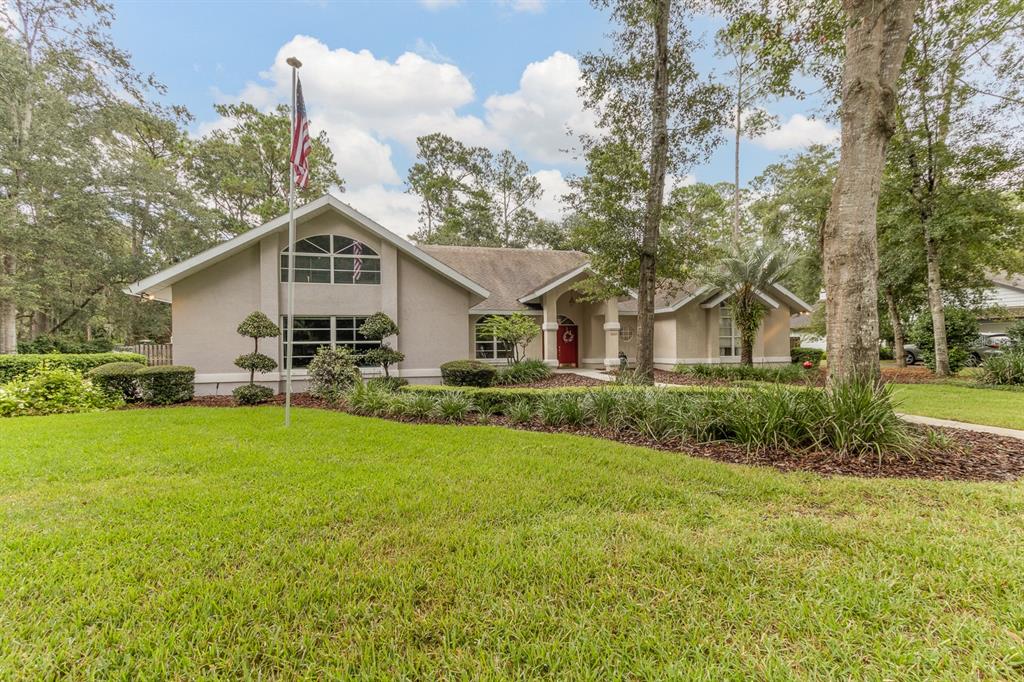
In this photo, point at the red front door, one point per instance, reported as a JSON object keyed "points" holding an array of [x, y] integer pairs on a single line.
{"points": [[568, 345]]}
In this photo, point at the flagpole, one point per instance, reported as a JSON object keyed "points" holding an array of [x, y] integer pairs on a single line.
{"points": [[295, 64]]}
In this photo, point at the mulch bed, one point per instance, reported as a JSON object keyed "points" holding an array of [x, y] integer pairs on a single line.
{"points": [[972, 456], [916, 374]]}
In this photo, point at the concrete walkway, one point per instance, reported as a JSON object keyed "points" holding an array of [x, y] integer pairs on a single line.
{"points": [[912, 418]]}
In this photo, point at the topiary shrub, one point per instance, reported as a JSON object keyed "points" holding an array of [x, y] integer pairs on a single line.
{"points": [[468, 373], [800, 355], [332, 373], [256, 326], [166, 384], [117, 378], [252, 394], [961, 333], [14, 366], [53, 390], [377, 328]]}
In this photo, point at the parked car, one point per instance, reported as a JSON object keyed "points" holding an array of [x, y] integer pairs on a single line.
{"points": [[911, 354], [987, 345]]}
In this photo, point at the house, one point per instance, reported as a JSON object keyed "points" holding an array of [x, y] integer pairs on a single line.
{"points": [[1003, 301], [347, 267]]}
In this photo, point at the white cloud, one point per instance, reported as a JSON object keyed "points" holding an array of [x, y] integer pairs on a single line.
{"points": [[429, 50], [555, 187], [799, 131], [392, 208], [361, 158], [434, 5], [536, 116], [531, 6]]}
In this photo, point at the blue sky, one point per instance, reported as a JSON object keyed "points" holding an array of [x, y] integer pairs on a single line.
{"points": [[377, 74]]}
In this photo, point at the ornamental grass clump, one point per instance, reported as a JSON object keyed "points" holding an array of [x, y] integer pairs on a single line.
{"points": [[523, 372], [856, 418], [453, 406], [1005, 369], [600, 406], [255, 326], [520, 411], [369, 400]]}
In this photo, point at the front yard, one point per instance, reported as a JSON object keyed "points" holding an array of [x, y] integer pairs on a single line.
{"points": [[196, 542], [994, 407]]}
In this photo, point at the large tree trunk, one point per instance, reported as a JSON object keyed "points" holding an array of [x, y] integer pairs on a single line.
{"points": [[877, 34], [898, 352], [655, 196], [8, 311], [931, 251]]}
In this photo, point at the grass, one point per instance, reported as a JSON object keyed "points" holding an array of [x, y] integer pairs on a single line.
{"points": [[993, 407], [190, 542]]}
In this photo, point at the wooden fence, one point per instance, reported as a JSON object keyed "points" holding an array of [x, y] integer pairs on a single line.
{"points": [[156, 353]]}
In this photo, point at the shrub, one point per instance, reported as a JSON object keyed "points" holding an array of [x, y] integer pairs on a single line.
{"points": [[369, 400], [388, 383], [858, 418], [252, 394], [52, 390], [468, 373], [780, 374], [885, 353], [418, 405], [117, 378], [800, 355], [166, 384], [961, 333], [523, 372], [514, 331], [562, 409], [378, 327], [453, 406], [64, 344], [519, 411], [1016, 333], [1005, 369], [332, 373], [600, 406], [14, 366]]}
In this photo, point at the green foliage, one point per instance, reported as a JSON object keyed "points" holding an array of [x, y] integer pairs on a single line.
{"points": [[961, 333], [117, 378], [516, 331], [1016, 333], [14, 366], [378, 327], [519, 411], [388, 383], [800, 355], [52, 390], [1004, 369], [454, 406], [332, 373], [781, 374], [385, 356], [64, 344], [256, 362], [468, 373], [523, 372], [257, 325], [368, 399], [252, 394], [885, 353], [166, 384]]}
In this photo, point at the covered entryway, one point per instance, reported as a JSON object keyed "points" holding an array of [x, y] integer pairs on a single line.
{"points": [[568, 342]]}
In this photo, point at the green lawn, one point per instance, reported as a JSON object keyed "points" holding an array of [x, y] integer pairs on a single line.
{"points": [[966, 404], [188, 542]]}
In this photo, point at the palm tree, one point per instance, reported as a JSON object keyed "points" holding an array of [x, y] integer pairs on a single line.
{"points": [[749, 270]]}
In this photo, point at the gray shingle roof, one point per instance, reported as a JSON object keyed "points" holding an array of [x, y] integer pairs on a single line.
{"points": [[507, 273]]}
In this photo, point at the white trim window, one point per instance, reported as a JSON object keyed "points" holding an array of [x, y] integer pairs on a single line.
{"points": [[728, 333], [332, 259], [331, 331], [488, 347]]}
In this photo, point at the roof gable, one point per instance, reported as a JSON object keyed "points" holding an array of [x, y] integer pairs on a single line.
{"points": [[158, 286]]}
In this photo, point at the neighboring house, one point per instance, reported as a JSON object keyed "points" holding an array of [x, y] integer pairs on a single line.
{"points": [[1004, 301], [349, 267], [800, 328]]}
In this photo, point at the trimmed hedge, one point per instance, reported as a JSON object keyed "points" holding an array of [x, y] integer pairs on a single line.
{"points": [[497, 399], [14, 366], [800, 355], [468, 373], [117, 378], [252, 394], [166, 384]]}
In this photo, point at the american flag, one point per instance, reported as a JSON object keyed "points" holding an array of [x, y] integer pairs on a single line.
{"points": [[357, 265], [300, 140]]}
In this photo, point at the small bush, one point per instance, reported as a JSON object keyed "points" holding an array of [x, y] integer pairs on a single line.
{"points": [[780, 374], [252, 394], [468, 373], [369, 400], [523, 372], [53, 390], [418, 405], [332, 373], [14, 366], [117, 378], [453, 406], [800, 355], [388, 383], [1005, 369], [858, 418], [885, 353], [520, 411], [562, 409], [600, 406], [1016, 333], [166, 384], [64, 344]]}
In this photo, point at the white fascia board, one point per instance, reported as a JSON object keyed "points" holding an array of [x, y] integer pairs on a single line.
{"points": [[506, 312], [165, 278], [703, 291], [537, 293], [793, 298], [765, 298]]}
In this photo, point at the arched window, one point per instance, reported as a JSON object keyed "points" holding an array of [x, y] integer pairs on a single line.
{"points": [[487, 346], [332, 259]]}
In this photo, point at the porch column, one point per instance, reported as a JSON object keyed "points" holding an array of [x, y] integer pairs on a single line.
{"points": [[549, 328], [611, 333]]}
